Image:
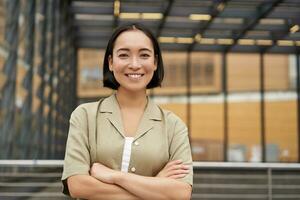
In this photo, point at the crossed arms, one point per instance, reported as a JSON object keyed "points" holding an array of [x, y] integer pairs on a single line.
{"points": [[105, 183]]}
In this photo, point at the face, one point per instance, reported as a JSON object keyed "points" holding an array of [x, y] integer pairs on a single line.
{"points": [[133, 61]]}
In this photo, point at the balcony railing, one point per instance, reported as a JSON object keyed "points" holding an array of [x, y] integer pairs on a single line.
{"points": [[40, 179]]}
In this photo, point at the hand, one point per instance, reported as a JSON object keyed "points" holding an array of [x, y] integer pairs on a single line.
{"points": [[103, 173], [174, 169]]}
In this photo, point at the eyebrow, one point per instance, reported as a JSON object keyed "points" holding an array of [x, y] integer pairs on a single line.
{"points": [[127, 49]]}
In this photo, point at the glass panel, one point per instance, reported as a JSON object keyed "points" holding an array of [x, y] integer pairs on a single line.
{"points": [[243, 108], [276, 72], [180, 109], [172, 94], [90, 76], [281, 131], [281, 109], [207, 107], [174, 82], [242, 72], [244, 131], [207, 131]]}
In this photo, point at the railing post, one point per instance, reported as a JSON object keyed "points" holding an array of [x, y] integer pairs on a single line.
{"points": [[270, 182]]}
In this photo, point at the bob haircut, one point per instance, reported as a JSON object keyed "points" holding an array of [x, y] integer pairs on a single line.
{"points": [[108, 77]]}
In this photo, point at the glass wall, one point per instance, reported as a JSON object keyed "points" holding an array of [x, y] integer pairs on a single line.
{"points": [[89, 70], [243, 107], [281, 109], [37, 64], [256, 116], [172, 94], [207, 123]]}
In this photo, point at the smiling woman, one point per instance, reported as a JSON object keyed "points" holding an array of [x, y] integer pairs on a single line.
{"points": [[125, 146], [133, 61]]}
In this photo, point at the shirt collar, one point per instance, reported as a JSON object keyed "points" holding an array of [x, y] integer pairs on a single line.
{"points": [[111, 105]]}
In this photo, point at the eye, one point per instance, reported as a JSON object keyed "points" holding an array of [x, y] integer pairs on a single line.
{"points": [[123, 55], [145, 55]]}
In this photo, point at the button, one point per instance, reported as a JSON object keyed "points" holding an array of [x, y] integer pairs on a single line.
{"points": [[133, 169], [136, 143]]}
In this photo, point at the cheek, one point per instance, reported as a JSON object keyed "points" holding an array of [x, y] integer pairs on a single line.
{"points": [[117, 66], [151, 69], [150, 66]]}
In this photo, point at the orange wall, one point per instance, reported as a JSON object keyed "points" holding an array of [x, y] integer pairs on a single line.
{"points": [[242, 73], [243, 124]]}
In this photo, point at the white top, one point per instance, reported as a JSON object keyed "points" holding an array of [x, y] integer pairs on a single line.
{"points": [[126, 154]]}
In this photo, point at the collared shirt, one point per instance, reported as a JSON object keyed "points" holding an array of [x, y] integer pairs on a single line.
{"points": [[96, 134]]}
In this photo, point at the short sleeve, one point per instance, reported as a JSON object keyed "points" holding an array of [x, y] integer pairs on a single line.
{"points": [[77, 155], [180, 148]]}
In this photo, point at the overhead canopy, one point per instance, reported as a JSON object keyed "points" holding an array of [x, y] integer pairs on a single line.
{"points": [[194, 25]]}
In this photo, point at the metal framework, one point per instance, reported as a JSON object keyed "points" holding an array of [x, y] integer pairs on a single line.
{"points": [[298, 99], [216, 9], [262, 11], [262, 106], [225, 107], [164, 19], [9, 90], [224, 26], [26, 113], [38, 131]]}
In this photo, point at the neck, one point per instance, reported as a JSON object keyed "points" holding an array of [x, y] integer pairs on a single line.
{"points": [[133, 100]]}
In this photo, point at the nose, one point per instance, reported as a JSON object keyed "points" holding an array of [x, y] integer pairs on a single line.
{"points": [[135, 63]]}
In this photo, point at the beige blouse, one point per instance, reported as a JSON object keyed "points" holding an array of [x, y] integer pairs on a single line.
{"points": [[96, 134]]}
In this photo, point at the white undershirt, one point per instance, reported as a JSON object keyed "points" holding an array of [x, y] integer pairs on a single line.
{"points": [[126, 154]]}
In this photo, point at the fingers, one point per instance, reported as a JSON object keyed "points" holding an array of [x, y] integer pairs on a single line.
{"points": [[174, 168], [178, 176], [177, 172], [178, 166]]}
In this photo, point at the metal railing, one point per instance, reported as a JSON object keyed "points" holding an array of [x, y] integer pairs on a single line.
{"points": [[31, 179], [263, 181], [40, 179]]}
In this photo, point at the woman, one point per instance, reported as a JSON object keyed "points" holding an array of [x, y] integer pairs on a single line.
{"points": [[125, 146]]}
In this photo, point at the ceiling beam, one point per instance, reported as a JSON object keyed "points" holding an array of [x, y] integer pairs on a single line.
{"points": [[279, 36], [165, 15], [263, 10], [218, 6]]}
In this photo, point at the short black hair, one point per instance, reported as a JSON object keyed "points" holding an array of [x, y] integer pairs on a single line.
{"points": [[108, 77]]}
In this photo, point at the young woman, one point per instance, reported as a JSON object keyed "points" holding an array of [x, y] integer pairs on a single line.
{"points": [[125, 146]]}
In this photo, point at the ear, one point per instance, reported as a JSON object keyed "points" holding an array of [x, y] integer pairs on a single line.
{"points": [[110, 61]]}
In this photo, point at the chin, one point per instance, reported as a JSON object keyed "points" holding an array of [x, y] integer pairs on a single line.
{"points": [[135, 88]]}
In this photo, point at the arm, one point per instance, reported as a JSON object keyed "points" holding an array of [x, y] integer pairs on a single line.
{"points": [[87, 187], [153, 187], [142, 186], [76, 179]]}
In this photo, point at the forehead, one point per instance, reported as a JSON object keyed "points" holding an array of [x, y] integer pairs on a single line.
{"points": [[133, 39]]}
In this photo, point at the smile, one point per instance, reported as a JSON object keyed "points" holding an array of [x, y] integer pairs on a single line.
{"points": [[135, 76]]}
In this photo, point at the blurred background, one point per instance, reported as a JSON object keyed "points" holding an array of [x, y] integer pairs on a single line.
{"points": [[231, 74]]}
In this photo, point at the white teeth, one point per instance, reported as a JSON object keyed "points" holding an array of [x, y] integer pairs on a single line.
{"points": [[134, 75]]}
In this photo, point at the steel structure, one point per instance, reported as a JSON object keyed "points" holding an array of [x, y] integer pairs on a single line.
{"points": [[56, 29], [191, 25], [39, 130]]}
